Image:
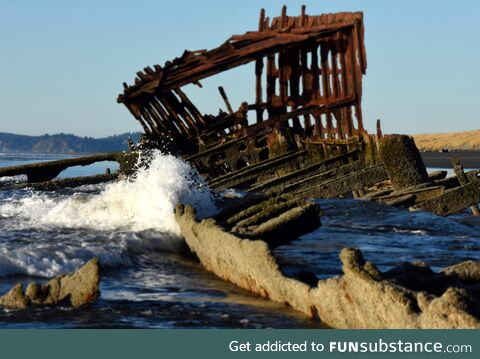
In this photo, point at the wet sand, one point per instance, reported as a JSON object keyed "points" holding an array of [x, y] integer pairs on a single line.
{"points": [[469, 159]]}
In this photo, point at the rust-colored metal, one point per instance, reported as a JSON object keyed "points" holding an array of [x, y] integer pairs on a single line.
{"points": [[308, 87]]}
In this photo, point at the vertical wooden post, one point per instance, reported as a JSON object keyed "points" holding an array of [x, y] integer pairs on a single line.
{"points": [[325, 85], [259, 71], [315, 74], [357, 74], [302, 16], [284, 16], [347, 115], [379, 129], [463, 180]]}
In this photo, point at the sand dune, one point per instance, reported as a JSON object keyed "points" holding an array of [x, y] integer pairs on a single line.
{"points": [[466, 140]]}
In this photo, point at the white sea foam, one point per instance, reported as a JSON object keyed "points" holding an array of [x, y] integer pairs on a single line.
{"points": [[145, 202], [13, 179], [50, 259], [60, 232], [419, 232]]}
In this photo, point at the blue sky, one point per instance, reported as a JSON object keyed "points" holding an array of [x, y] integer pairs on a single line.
{"points": [[62, 63]]}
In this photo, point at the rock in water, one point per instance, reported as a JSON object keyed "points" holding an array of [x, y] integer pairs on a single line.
{"points": [[74, 289], [15, 298], [403, 161]]}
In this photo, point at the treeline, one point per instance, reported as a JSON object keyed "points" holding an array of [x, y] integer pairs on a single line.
{"points": [[64, 143]]}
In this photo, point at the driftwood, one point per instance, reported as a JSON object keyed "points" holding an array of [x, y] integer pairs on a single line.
{"points": [[67, 182], [45, 171], [453, 200], [41, 175]]}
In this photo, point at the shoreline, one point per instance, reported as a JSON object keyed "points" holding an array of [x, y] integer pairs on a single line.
{"points": [[468, 159]]}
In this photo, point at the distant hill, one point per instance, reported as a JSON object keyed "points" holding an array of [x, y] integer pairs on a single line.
{"points": [[459, 141], [64, 143]]}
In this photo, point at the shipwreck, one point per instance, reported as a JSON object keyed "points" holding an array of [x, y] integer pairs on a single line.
{"points": [[303, 138], [304, 135]]}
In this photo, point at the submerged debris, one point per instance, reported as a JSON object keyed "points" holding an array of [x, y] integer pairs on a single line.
{"points": [[276, 220], [74, 289], [411, 296]]}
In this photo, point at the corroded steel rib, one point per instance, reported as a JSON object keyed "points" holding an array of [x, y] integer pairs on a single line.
{"points": [[305, 66]]}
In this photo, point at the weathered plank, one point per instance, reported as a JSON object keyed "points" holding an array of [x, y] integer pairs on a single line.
{"points": [[248, 174], [45, 171], [453, 200], [345, 184]]}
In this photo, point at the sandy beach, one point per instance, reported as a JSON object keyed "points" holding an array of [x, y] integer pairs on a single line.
{"points": [[453, 141]]}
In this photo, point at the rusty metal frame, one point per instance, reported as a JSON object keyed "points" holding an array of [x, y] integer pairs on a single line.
{"points": [[305, 66]]}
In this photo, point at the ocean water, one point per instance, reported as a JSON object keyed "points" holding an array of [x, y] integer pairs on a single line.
{"points": [[148, 278]]}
